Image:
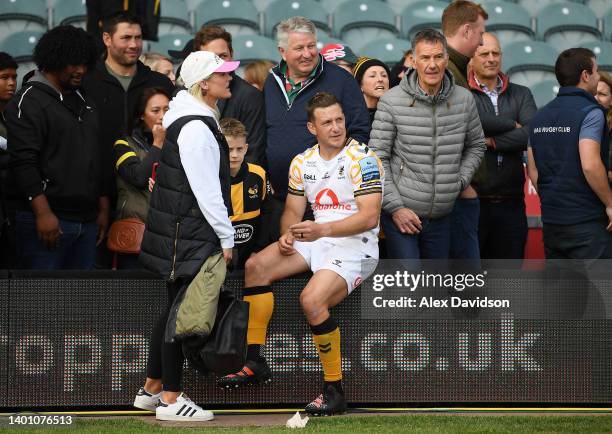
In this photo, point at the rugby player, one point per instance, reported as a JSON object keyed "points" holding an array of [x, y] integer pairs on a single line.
{"points": [[342, 180]]}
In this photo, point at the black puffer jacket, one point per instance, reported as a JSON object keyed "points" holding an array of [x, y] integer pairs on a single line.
{"points": [[178, 238], [504, 175]]}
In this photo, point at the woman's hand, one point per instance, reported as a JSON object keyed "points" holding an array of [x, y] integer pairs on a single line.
{"points": [[159, 135]]}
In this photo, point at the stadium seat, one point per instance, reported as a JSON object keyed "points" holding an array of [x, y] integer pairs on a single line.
{"points": [[18, 15], [357, 22], [420, 15], [283, 9], [169, 42], [509, 22], [71, 12], [568, 24], [529, 62], [331, 5], [255, 47], [535, 6], [607, 24], [239, 17], [603, 51], [599, 7], [388, 50], [544, 92], [398, 6], [174, 18], [21, 45], [323, 40], [262, 5]]}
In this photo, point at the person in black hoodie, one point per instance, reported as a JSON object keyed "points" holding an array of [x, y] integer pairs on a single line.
{"points": [[54, 153], [116, 83]]}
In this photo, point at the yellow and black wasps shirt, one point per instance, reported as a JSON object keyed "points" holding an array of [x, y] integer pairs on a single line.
{"points": [[250, 191]]}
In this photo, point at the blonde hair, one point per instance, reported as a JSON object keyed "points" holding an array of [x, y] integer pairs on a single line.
{"points": [[197, 92], [152, 60], [256, 72], [232, 127]]}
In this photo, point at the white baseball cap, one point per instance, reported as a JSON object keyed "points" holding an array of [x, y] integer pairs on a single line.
{"points": [[200, 65]]}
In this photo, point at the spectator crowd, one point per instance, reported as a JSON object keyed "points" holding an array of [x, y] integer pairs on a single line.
{"points": [[81, 137]]}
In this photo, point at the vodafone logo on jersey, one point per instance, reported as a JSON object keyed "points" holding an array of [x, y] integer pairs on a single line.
{"points": [[327, 199]]}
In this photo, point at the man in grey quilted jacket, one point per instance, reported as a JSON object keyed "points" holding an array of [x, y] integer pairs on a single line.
{"points": [[428, 135]]}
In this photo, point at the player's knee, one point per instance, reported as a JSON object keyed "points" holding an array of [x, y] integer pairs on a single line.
{"points": [[311, 304], [253, 267]]}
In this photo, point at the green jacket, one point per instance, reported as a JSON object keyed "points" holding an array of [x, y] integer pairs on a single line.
{"points": [[194, 310], [458, 65], [134, 159]]}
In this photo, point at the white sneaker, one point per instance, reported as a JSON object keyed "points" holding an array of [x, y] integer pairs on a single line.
{"points": [[184, 409], [145, 400]]}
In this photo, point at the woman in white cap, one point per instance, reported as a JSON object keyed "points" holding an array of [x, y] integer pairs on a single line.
{"points": [[189, 237]]}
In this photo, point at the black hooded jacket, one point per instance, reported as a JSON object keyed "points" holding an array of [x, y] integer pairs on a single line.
{"points": [[54, 149]]}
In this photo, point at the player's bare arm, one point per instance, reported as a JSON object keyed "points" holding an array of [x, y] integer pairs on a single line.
{"points": [[295, 206]]}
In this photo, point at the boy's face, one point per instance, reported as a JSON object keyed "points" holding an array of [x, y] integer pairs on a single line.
{"points": [[8, 84], [237, 150]]}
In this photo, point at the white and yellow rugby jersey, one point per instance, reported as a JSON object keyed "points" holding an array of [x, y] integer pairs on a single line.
{"points": [[331, 187]]}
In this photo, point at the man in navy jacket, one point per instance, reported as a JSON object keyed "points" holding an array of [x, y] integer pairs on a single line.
{"points": [[568, 152], [301, 74]]}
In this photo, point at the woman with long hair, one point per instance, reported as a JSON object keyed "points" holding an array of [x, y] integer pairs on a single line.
{"points": [[255, 73], [135, 156], [604, 97]]}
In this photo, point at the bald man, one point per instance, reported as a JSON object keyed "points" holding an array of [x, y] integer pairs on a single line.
{"points": [[505, 111]]}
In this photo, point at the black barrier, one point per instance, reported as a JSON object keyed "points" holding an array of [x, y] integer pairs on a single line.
{"points": [[83, 342], [4, 333]]}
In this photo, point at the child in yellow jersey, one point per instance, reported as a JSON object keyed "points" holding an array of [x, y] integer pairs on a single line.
{"points": [[250, 190]]}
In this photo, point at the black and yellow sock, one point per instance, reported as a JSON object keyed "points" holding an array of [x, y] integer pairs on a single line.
{"points": [[261, 306], [326, 338]]}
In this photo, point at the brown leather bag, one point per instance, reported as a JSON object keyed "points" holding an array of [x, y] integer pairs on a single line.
{"points": [[125, 236]]}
